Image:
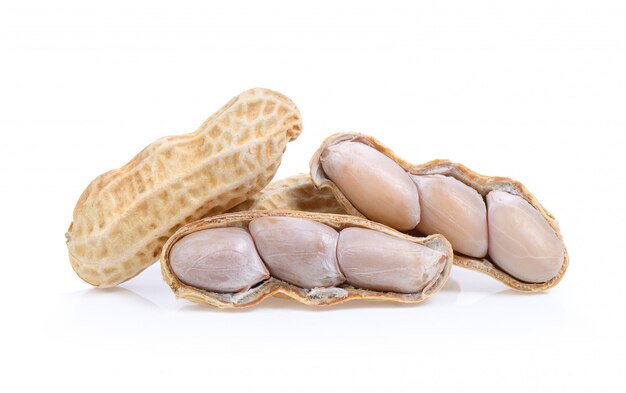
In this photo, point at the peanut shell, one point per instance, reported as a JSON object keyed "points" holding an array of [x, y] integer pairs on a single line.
{"points": [[273, 286], [124, 217], [481, 183], [296, 192]]}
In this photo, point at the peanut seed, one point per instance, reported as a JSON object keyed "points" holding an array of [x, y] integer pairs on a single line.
{"points": [[455, 210], [374, 260], [297, 250], [377, 186], [220, 260], [520, 240]]}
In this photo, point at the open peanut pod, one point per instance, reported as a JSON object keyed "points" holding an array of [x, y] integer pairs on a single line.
{"points": [[495, 225], [239, 259], [124, 217], [296, 192]]}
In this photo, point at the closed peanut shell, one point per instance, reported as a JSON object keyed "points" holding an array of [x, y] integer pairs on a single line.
{"points": [[321, 296], [124, 217], [296, 192], [482, 184]]}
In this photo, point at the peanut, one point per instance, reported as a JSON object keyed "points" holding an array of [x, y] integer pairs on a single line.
{"points": [[520, 240], [297, 250], [374, 183], [306, 254], [125, 216], [455, 210], [221, 260], [517, 242], [374, 260], [292, 193]]}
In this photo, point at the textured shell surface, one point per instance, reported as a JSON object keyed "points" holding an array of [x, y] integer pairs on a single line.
{"points": [[481, 183], [319, 296], [296, 192], [124, 217]]}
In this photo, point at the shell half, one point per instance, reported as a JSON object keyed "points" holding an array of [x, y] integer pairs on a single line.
{"points": [[273, 286], [481, 183]]}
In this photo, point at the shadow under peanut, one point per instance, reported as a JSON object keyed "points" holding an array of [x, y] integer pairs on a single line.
{"points": [[276, 303], [93, 297], [282, 302]]}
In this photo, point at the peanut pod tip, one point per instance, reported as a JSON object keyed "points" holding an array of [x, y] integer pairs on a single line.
{"points": [[495, 225], [239, 259], [124, 217]]}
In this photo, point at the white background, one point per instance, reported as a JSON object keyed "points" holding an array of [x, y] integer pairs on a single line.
{"points": [[533, 90]]}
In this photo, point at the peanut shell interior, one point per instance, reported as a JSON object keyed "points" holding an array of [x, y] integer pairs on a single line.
{"points": [[273, 286], [481, 183]]}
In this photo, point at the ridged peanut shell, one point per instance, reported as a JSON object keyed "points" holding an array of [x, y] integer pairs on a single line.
{"points": [[273, 286], [296, 192], [124, 217], [481, 183]]}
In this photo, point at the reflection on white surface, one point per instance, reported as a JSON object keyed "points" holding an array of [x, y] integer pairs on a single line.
{"points": [[474, 323], [149, 291], [467, 295]]}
